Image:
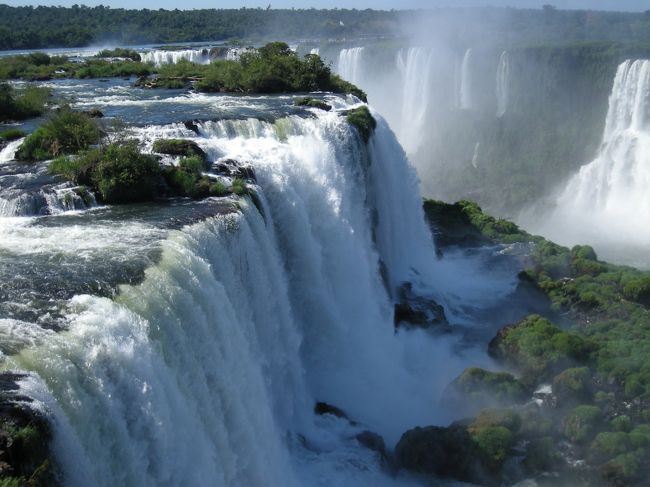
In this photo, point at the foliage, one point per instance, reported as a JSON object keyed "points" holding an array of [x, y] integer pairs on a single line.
{"points": [[362, 119], [480, 387], [493, 444], [582, 423], [12, 134], [119, 172], [180, 147], [22, 104], [65, 132], [119, 52], [537, 347]]}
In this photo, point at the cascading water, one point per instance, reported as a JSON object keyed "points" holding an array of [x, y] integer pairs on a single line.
{"points": [[466, 82], [207, 371], [8, 152], [159, 57], [349, 65], [414, 65], [607, 200], [503, 86]]}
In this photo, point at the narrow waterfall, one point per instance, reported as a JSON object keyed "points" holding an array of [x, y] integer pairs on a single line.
{"points": [[208, 370], [608, 198], [8, 152], [503, 83], [414, 65], [349, 65], [466, 82]]}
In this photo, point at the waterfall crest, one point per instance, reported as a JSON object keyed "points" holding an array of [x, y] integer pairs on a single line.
{"points": [[208, 370]]}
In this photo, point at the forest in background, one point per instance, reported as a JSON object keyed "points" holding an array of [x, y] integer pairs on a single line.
{"points": [[79, 25]]}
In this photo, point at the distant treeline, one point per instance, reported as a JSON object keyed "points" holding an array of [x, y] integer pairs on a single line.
{"points": [[44, 27]]}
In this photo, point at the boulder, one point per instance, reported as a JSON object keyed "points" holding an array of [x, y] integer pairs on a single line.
{"points": [[418, 311], [179, 147]]}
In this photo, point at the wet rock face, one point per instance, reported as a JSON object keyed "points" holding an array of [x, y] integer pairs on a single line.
{"points": [[25, 457], [234, 169], [418, 311]]}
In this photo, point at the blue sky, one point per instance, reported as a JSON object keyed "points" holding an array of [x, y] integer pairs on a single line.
{"points": [[629, 5]]}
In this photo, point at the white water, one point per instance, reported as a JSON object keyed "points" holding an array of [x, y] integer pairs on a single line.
{"points": [[206, 373], [607, 202], [503, 83], [349, 66], [466, 82], [414, 65], [159, 57], [9, 152], [235, 53]]}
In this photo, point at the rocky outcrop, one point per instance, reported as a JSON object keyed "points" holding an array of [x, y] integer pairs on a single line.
{"points": [[419, 311], [179, 147]]}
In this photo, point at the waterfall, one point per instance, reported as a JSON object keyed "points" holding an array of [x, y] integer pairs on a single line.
{"points": [[466, 82], [8, 152], [608, 198], [315, 51], [503, 80], [234, 53], [158, 57], [414, 65], [207, 371], [349, 65]]}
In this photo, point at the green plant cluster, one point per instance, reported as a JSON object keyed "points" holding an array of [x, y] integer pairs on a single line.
{"points": [[362, 119], [65, 132], [39, 66], [23, 103], [119, 52], [599, 368]]}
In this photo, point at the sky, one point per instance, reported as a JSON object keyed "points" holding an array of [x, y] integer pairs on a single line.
{"points": [[622, 5]]}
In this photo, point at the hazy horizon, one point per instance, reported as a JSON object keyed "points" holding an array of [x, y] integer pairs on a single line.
{"points": [[612, 5]]}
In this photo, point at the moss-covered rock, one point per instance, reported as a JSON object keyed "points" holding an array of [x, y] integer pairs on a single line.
{"points": [[582, 423], [362, 119], [180, 147], [572, 386], [312, 103], [537, 347], [481, 388]]}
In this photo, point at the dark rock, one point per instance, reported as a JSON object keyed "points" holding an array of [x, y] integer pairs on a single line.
{"points": [[445, 452], [24, 438], [418, 311], [235, 169], [179, 147], [192, 125], [322, 408], [312, 103], [94, 113], [372, 441]]}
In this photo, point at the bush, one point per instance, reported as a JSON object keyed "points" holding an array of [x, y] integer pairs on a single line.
{"points": [[638, 290], [12, 134], [22, 104], [180, 147], [119, 52], [238, 186], [363, 120], [118, 172], [493, 444], [66, 132], [582, 423], [481, 388], [609, 445]]}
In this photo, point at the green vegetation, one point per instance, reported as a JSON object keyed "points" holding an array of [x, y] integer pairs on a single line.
{"points": [[179, 147], [12, 134], [363, 120], [598, 363], [66, 132], [312, 103], [119, 52], [39, 66], [481, 388], [22, 104]]}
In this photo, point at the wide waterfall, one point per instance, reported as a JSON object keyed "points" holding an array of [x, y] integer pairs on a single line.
{"points": [[466, 82], [349, 64], [159, 57], [206, 372], [503, 86], [414, 65], [607, 201]]}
